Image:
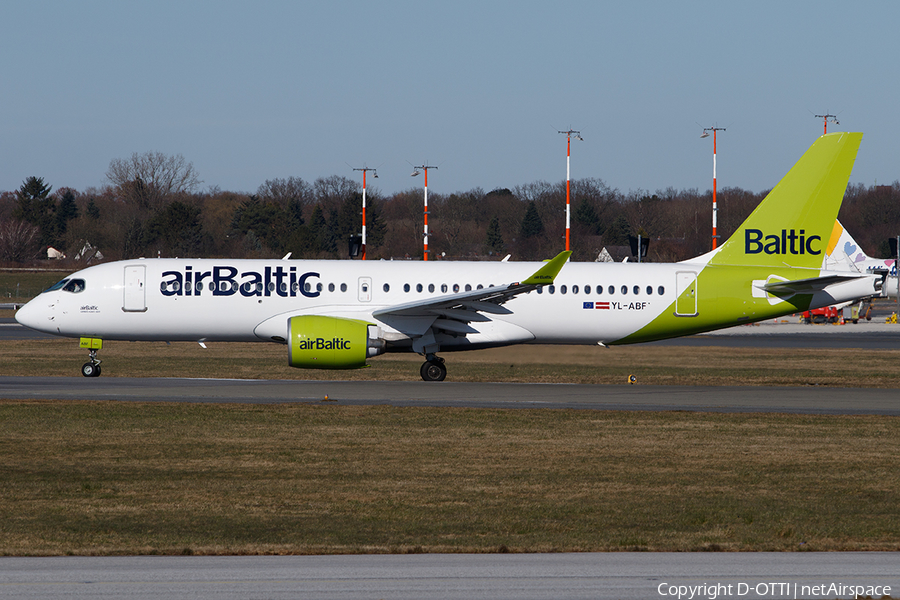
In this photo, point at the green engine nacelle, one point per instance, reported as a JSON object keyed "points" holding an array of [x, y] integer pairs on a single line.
{"points": [[332, 342]]}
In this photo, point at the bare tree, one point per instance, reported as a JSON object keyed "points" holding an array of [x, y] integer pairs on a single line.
{"points": [[18, 240], [286, 192], [150, 178]]}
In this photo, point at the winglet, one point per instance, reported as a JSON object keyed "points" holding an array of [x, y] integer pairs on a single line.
{"points": [[546, 274]]}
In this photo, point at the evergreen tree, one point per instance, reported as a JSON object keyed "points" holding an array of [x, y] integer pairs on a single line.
{"points": [[318, 230], [494, 240], [586, 215], [36, 207], [66, 211], [532, 225], [93, 210], [177, 228]]}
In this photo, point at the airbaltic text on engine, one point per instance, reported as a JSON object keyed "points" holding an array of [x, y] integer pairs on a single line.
{"points": [[789, 242], [323, 344], [225, 281]]}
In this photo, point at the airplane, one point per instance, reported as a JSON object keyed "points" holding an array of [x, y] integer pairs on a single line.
{"points": [[338, 314], [844, 254]]}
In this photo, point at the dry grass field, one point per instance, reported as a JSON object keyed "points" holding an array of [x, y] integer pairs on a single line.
{"points": [[89, 478]]}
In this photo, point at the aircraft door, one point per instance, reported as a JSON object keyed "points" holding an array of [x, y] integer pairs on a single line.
{"points": [[365, 289], [135, 289], [685, 294]]}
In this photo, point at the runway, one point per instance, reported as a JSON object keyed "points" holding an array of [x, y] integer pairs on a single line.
{"points": [[588, 576]]}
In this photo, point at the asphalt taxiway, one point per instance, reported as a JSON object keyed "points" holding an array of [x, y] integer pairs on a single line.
{"points": [[594, 576], [801, 400]]}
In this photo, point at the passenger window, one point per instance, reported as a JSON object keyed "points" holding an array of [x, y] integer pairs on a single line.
{"points": [[419, 287], [386, 287], [294, 287], [562, 289], [574, 289], [649, 290], [612, 290], [468, 287], [431, 288], [344, 287], [318, 287], [661, 291], [540, 289], [480, 287], [212, 286], [600, 290], [552, 289], [444, 288], [455, 287], [405, 287], [624, 290], [330, 287], [636, 290]]}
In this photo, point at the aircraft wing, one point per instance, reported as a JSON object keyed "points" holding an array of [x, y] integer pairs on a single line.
{"points": [[453, 312]]}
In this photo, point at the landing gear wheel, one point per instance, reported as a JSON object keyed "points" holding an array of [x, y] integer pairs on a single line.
{"points": [[92, 367], [433, 370]]}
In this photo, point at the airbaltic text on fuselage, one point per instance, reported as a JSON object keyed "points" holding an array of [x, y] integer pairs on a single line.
{"points": [[789, 242], [225, 281]]}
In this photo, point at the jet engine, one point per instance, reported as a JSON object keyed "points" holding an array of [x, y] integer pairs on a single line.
{"points": [[316, 342]]}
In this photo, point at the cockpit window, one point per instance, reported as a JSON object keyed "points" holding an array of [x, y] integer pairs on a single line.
{"points": [[75, 286], [56, 286]]}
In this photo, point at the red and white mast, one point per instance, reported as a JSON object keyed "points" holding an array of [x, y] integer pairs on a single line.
{"points": [[414, 173], [374, 174], [715, 209], [569, 135]]}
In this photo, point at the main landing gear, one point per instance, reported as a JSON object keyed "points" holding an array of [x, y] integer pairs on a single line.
{"points": [[92, 367], [433, 368]]}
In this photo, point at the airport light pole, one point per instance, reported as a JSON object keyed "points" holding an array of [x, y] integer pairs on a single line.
{"points": [[715, 210], [415, 172], [577, 135], [826, 118], [375, 175]]}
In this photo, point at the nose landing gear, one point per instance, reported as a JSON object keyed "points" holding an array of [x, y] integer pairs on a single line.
{"points": [[92, 367]]}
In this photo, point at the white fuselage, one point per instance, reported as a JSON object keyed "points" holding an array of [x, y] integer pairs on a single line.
{"points": [[250, 300]]}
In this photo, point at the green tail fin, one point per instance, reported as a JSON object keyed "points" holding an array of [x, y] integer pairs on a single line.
{"points": [[792, 226]]}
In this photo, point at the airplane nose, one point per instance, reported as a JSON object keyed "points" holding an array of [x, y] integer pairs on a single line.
{"points": [[35, 317]]}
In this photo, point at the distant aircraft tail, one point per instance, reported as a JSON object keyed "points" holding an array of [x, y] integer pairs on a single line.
{"points": [[843, 251], [793, 225]]}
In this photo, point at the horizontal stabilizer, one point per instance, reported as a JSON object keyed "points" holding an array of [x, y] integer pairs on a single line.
{"points": [[810, 285]]}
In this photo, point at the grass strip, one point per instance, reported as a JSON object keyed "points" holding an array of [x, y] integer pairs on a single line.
{"points": [[109, 478], [651, 364]]}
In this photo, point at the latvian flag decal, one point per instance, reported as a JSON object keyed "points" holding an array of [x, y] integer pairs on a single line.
{"points": [[601, 305]]}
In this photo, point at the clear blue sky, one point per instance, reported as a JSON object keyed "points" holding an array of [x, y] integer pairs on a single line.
{"points": [[250, 91]]}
